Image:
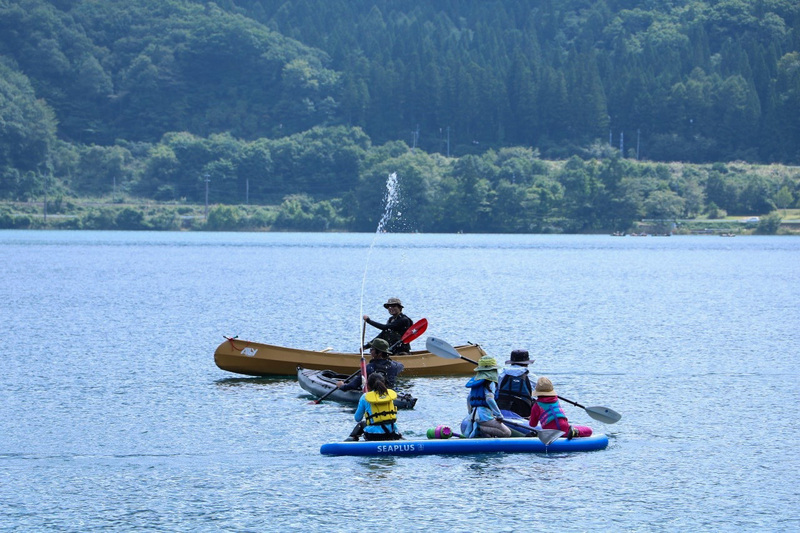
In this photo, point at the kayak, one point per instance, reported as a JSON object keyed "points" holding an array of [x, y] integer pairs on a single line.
{"points": [[457, 446], [321, 382], [258, 359]]}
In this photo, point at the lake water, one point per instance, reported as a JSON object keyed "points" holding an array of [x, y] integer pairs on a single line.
{"points": [[113, 415]]}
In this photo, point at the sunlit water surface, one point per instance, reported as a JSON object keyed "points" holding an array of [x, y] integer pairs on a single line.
{"points": [[114, 416]]}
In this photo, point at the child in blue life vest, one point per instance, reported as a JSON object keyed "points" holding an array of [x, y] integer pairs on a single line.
{"points": [[377, 409], [548, 413], [514, 389], [485, 418]]}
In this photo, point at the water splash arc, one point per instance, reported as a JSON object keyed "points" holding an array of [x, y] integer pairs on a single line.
{"points": [[390, 200]]}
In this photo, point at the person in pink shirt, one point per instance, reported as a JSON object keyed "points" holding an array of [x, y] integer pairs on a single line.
{"points": [[547, 411]]}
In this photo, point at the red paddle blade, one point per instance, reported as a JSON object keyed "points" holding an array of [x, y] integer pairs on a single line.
{"points": [[416, 329]]}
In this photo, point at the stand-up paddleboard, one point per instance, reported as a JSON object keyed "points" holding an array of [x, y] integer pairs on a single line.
{"points": [[464, 446]]}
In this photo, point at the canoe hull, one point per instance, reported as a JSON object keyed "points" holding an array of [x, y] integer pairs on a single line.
{"points": [[464, 446], [321, 382], [257, 359]]}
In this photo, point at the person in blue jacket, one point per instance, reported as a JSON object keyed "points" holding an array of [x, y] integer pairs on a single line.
{"points": [[485, 418], [378, 412]]}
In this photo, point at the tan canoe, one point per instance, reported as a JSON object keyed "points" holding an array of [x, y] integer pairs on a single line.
{"points": [[257, 359]]}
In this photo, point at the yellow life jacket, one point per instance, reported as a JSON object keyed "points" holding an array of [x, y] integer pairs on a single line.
{"points": [[383, 409]]}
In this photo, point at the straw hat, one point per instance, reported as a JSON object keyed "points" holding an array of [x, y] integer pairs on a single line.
{"points": [[520, 357], [544, 387]]}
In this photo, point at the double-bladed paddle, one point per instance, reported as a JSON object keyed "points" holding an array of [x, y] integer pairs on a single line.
{"points": [[603, 414], [416, 329], [442, 348], [547, 436]]}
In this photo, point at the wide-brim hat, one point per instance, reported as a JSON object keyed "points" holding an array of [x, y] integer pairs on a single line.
{"points": [[544, 387], [393, 301], [520, 357], [488, 375], [380, 345], [487, 362]]}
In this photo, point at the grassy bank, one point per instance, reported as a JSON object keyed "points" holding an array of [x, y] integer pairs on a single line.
{"points": [[131, 214]]}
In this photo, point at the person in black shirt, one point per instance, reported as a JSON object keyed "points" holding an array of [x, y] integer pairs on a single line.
{"points": [[380, 362], [394, 328], [514, 389]]}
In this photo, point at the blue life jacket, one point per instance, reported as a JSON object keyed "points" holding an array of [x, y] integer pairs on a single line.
{"points": [[477, 393]]}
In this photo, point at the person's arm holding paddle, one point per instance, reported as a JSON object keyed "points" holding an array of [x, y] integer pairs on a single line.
{"points": [[395, 328]]}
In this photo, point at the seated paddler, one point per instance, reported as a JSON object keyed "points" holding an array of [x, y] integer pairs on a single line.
{"points": [[514, 389], [485, 418], [378, 412], [547, 411], [394, 328], [379, 362]]}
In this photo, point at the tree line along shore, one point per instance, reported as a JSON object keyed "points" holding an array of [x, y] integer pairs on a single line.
{"points": [[511, 191]]}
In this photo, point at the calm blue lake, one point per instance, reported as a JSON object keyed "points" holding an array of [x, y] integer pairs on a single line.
{"points": [[113, 415]]}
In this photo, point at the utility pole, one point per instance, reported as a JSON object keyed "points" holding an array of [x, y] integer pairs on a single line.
{"points": [[207, 179], [638, 131], [621, 140]]}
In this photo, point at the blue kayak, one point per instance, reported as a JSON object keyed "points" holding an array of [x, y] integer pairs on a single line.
{"points": [[456, 446]]}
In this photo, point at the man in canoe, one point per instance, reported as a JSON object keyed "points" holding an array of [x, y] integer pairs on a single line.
{"points": [[394, 328], [380, 362]]}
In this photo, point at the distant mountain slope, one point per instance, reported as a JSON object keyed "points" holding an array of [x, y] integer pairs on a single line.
{"points": [[674, 80], [136, 69]]}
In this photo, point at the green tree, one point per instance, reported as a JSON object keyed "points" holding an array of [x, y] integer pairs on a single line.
{"points": [[101, 169], [769, 224], [223, 218], [27, 132], [130, 219], [664, 205], [784, 198]]}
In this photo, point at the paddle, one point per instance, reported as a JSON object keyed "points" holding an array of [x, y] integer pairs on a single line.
{"points": [[363, 368], [318, 400], [603, 414], [416, 329], [547, 436], [442, 348]]}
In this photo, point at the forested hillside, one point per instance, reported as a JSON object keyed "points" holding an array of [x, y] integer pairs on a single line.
{"points": [[310, 104]]}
